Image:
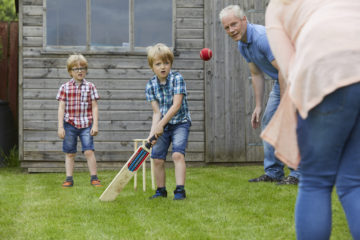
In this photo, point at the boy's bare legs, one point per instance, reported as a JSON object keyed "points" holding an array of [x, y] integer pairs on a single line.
{"points": [[180, 171], [180, 168], [159, 170], [91, 160], [69, 163], [69, 168]]}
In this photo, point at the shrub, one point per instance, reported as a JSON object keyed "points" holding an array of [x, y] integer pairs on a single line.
{"points": [[11, 159]]}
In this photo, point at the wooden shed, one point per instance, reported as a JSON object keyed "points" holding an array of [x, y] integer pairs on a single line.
{"points": [[220, 91]]}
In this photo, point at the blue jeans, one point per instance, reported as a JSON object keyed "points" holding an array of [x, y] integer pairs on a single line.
{"points": [[177, 134], [273, 167], [71, 135], [329, 142]]}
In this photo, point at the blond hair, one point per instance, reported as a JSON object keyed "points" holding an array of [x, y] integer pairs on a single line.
{"points": [[76, 59], [159, 51], [236, 9]]}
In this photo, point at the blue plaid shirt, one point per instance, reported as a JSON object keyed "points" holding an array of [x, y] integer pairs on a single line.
{"points": [[164, 94]]}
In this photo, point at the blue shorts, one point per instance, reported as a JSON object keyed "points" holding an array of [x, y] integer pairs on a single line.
{"points": [[71, 135], [177, 134]]}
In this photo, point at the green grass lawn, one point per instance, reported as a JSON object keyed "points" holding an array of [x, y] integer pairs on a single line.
{"points": [[220, 204]]}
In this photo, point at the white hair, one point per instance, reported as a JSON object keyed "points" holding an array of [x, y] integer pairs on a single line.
{"points": [[236, 9]]}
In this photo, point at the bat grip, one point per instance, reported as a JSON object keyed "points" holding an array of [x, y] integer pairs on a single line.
{"points": [[148, 144]]}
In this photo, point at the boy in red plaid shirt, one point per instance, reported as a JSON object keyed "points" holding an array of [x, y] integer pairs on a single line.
{"points": [[78, 117]]}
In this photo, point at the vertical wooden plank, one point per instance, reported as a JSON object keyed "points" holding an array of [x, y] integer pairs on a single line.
{"points": [[88, 24], [132, 24], [13, 69], [20, 86], [173, 41], [215, 87], [226, 151], [44, 24], [3, 60], [219, 88], [209, 88]]}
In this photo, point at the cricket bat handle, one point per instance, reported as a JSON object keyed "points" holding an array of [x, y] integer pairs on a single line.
{"points": [[148, 144]]}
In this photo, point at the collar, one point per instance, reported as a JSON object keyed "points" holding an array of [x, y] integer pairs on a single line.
{"points": [[72, 82], [167, 79], [249, 35]]}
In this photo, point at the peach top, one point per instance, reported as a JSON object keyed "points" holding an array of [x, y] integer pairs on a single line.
{"points": [[316, 44]]}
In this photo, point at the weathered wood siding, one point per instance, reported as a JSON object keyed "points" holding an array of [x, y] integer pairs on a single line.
{"points": [[220, 92], [228, 90], [124, 113]]}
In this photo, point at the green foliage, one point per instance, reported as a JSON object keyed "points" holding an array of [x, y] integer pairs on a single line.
{"points": [[7, 10], [11, 159], [220, 204]]}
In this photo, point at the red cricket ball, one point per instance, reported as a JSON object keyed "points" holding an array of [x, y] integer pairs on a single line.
{"points": [[206, 54]]}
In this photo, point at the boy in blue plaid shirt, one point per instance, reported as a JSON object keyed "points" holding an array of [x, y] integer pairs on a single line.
{"points": [[171, 118]]}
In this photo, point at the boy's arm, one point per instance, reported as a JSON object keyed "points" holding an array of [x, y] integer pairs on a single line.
{"points": [[156, 117], [258, 82], [158, 124], [61, 112], [177, 101], [95, 112]]}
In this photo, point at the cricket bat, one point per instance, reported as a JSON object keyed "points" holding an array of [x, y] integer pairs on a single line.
{"points": [[126, 172]]}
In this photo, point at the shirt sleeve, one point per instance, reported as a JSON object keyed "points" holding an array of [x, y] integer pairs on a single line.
{"points": [[179, 85], [149, 91], [61, 95], [264, 47], [94, 93]]}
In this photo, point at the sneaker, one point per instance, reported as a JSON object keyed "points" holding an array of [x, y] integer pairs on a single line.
{"points": [[179, 194], [159, 193], [289, 180], [96, 183], [67, 184], [264, 178]]}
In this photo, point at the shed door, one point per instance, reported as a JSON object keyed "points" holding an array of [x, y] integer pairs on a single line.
{"points": [[228, 90]]}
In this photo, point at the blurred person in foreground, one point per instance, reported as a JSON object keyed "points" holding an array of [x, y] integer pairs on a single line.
{"points": [[317, 125]]}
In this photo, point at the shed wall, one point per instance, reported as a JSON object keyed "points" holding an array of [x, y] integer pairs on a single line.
{"points": [[120, 79], [220, 92]]}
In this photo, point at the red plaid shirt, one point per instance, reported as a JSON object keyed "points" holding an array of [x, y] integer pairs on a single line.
{"points": [[78, 107]]}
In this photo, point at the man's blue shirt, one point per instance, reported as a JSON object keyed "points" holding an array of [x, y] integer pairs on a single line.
{"points": [[164, 94], [257, 49]]}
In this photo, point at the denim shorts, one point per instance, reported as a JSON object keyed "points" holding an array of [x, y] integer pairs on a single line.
{"points": [[71, 135], [177, 134]]}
